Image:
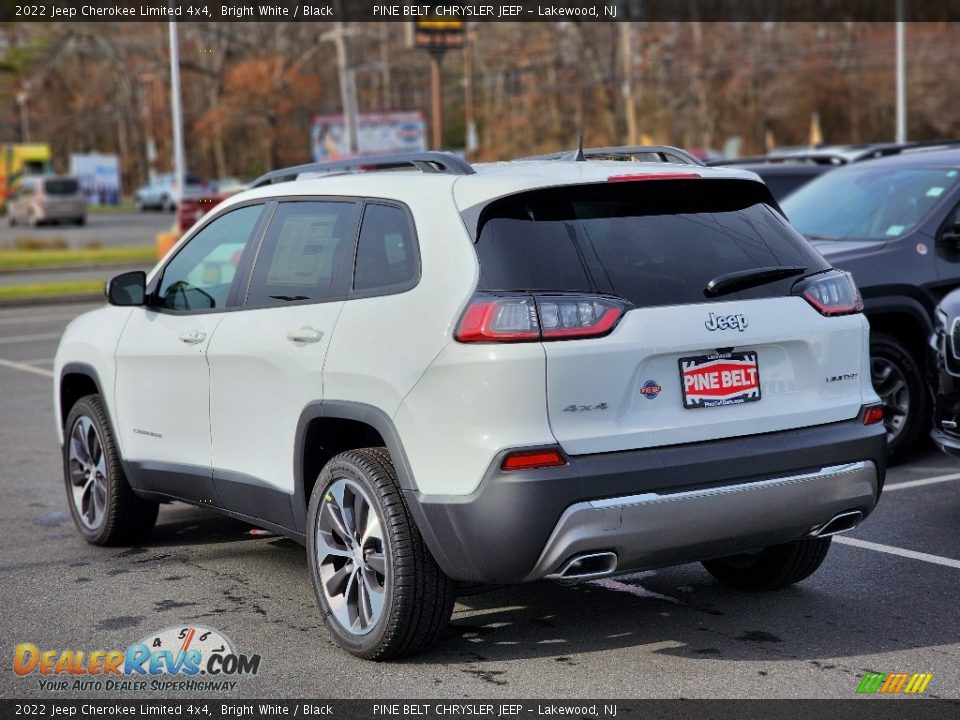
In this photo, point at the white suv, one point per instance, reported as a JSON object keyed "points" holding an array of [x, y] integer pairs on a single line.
{"points": [[434, 374]]}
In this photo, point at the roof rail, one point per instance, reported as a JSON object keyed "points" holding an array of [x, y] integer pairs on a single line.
{"points": [[664, 153], [886, 149], [841, 155], [816, 158], [426, 162]]}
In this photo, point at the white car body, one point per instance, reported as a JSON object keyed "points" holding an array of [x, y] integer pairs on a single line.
{"points": [[216, 407]]}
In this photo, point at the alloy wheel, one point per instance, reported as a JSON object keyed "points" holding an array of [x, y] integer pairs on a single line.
{"points": [[88, 473], [891, 385], [351, 557]]}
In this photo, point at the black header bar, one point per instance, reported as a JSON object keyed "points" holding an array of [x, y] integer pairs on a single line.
{"points": [[478, 10]]}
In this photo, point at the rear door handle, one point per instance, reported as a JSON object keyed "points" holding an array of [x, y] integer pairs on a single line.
{"points": [[305, 335], [192, 337]]}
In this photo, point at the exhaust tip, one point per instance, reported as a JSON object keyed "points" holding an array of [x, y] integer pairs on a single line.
{"points": [[838, 524], [587, 566]]}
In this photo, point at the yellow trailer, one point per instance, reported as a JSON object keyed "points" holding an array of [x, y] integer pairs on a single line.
{"points": [[17, 160]]}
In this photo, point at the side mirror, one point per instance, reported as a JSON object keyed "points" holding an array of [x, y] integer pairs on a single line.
{"points": [[127, 289], [952, 234]]}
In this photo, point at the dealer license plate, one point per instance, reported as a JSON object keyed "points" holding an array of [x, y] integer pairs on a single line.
{"points": [[720, 379]]}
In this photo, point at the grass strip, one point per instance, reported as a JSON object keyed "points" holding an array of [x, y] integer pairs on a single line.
{"points": [[25, 259], [50, 289]]}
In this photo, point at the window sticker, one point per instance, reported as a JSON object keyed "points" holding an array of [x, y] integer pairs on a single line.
{"points": [[935, 192], [895, 230]]}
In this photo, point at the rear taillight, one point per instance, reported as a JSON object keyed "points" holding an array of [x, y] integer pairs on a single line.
{"points": [[831, 293], [873, 414], [530, 318]]}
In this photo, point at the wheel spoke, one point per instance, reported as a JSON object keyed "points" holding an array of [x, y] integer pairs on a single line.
{"points": [[332, 522], [377, 562], [336, 583], [373, 531]]}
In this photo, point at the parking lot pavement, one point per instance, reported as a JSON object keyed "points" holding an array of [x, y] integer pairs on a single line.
{"points": [[884, 601], [109, 229]]}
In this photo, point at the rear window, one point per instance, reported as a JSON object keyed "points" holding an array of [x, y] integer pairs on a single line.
{"points": [[649, 242], [61, 186]]}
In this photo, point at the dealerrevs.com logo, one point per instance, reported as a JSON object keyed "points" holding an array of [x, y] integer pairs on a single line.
{"points": [[177, 658]]}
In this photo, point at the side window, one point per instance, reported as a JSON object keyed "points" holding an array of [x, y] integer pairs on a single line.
{"points": [[386, 254], [306, 254], [200, 275]]}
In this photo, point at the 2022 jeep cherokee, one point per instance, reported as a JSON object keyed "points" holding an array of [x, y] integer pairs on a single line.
{"points": [[430, 373]]}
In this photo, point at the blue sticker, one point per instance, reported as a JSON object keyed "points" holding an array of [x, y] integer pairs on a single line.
{"points": [[651, 389]]}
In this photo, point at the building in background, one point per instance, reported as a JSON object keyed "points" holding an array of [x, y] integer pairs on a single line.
{"points": [[377, 134], [99, 177]]}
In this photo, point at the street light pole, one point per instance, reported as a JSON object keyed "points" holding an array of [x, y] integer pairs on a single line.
{"points": [[901, 77], [178, 154], [23, 98], [348, 88]]}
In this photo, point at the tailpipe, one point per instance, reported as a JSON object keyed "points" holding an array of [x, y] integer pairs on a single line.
{"points": [[838, 524], [586, 566]]}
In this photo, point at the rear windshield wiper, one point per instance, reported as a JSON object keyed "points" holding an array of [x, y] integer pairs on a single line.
{"points": [[746, 279], [289, 298]]}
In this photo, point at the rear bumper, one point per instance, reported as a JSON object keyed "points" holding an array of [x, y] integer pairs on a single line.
{"points": [[655, 507], [950, 444]]}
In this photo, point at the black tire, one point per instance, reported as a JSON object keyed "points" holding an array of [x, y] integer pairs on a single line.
{"points": [[417, 597], [773, 568], [889, 358], [81, 221], [127, 518]]}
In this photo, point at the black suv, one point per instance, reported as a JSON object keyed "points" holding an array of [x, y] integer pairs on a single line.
{"points": [[892, 222]]}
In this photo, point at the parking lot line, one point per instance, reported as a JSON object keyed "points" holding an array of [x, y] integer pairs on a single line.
{"points": [[29, 338], [921, 482], [891, 550], [26, 368]]}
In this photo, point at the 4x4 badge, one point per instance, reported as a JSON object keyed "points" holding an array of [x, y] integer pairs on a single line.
{"points": [[585, 408], [726, 322]]}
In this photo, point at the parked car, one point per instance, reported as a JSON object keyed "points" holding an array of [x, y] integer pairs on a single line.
{"points": [[161, 194], [46, 199], [787, 169], [432, 373], [945, 366], [889, 222]]}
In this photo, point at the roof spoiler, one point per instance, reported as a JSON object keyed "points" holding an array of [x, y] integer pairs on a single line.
{"points": [[426, 162]]}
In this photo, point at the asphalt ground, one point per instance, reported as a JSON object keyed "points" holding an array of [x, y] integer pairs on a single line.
{"points": [[107, 229], [884, 601]]}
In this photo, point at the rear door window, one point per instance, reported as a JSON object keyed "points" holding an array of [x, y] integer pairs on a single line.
{"points": [[649, 242], [307, 254]]}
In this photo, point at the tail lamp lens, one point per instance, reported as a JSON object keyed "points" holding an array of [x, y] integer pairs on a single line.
{"points": [[831, 293], [530, 318], [873, 414], [532, 459]]}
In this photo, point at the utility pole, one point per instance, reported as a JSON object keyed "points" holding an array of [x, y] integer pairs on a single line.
{"points": [[471, 144], [348, 88], [626, 89], [901, 136], [179, 164], [436, 94]]}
